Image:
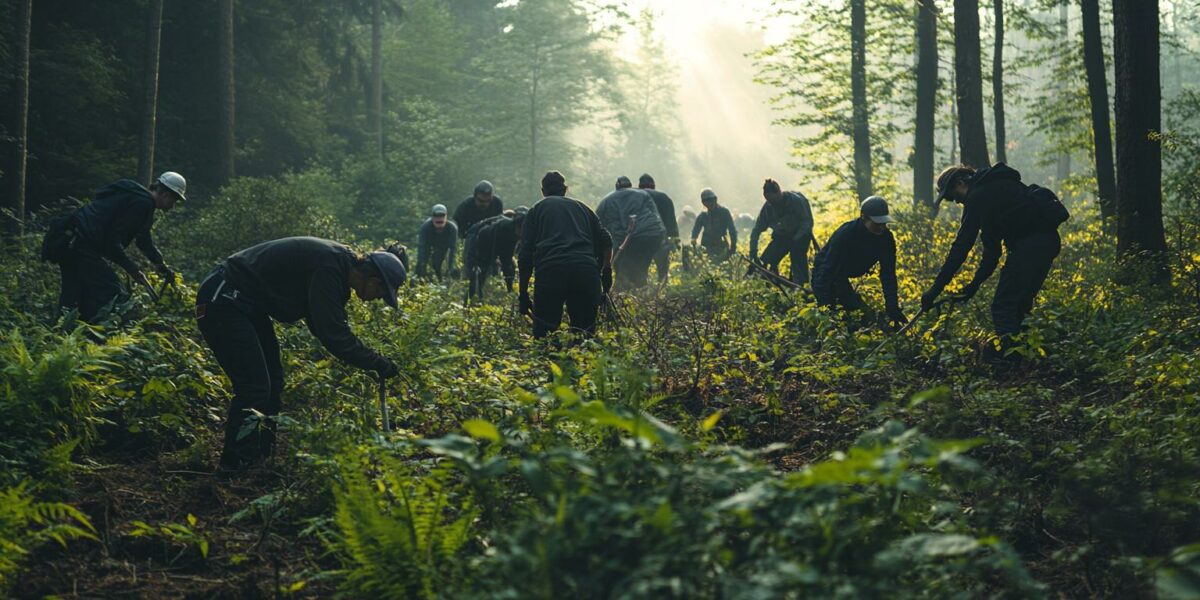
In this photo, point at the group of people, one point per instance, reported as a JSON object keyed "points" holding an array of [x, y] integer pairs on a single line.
{"points": [[572, 250]]}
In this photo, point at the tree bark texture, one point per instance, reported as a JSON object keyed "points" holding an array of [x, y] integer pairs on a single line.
{"points": [[998, 82], [969, 81], [858, 90], [19, 123], [927, 83], [375, 105], [226, 88], [1097, 82], [150, 99], [1139, 114]]}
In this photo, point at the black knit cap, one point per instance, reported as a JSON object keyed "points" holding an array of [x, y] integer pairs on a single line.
{"points": [[645, 181]]}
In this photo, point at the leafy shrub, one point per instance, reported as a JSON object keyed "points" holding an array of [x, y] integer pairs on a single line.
{"points": [[26, 524]]}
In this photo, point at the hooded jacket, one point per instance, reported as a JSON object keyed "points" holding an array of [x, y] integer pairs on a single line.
{"points": [[122, 212], [997, 209], [616, 209]]}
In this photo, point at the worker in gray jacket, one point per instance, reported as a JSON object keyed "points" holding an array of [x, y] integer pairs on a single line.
{"points": [[789, 217], [631, 219]]}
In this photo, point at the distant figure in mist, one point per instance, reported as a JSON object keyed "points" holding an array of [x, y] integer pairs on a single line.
{"points": [[285, 280], [564, 244], [716, 225], [632, 221], [437, 241], [1010, 215], [789, 217], [853, 251], [687, 218], [83, 243], [666, 213], [482, 204], [745, 223], [491, 241]]}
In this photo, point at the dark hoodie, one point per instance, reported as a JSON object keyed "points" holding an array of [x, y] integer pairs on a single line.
{"points": [[491, 239], [122, 212], [997, 208]]}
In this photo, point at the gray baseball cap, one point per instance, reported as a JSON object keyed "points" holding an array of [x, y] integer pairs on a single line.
{"points": [[484, 187], [877, 209], [439, 210], [707, 194]]}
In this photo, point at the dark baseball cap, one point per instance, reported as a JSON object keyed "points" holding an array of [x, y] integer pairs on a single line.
{"points": [[392, 271], [946, 180], [623, 182], [877, 209]]}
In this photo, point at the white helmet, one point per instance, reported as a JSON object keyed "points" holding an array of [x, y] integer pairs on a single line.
{"points": [[174, 182]]}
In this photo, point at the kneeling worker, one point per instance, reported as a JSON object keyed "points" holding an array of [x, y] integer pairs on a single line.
{"points": [[287, 280], [853, 251], [715, 222], [563, 241]]}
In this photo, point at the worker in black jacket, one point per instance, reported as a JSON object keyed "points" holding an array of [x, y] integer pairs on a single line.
{"points": [[853, 251], [490, 241], [121, 213], [716, 223], [789, 217], [436, 241], [666, 213], [563, 241], [286, 280], [482, 204], [998, 208]]}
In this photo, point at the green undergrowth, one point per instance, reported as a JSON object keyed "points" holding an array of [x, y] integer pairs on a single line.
{"points": [[720, 438]]}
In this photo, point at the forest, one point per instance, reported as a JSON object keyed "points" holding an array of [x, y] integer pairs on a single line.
{"points": [[743, 420]]}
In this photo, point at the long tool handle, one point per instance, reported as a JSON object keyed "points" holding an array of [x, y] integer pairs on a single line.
{"points": [[383, 408]]}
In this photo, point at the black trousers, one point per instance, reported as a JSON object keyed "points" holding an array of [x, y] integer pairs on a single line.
{"points": [[577, 287], [633, 265], [783, 246], [89, 284], [662, 261], [1026, 265], [242, 337]]}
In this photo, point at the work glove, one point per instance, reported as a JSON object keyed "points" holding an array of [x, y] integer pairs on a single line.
{"points": [[928, 298], [693, 243], [526, 305], [387, 369], [897, 317], [606, 280]]}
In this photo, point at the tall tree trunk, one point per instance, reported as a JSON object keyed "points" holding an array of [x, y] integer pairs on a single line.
{"points": [[969, 80], [150, 99], [953, 114], [1139, 113], [927, 83], [1064, 158], [858, 91], [1097, 81], [226, 104], [375, 105], [20, 121], [998, 82]]}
